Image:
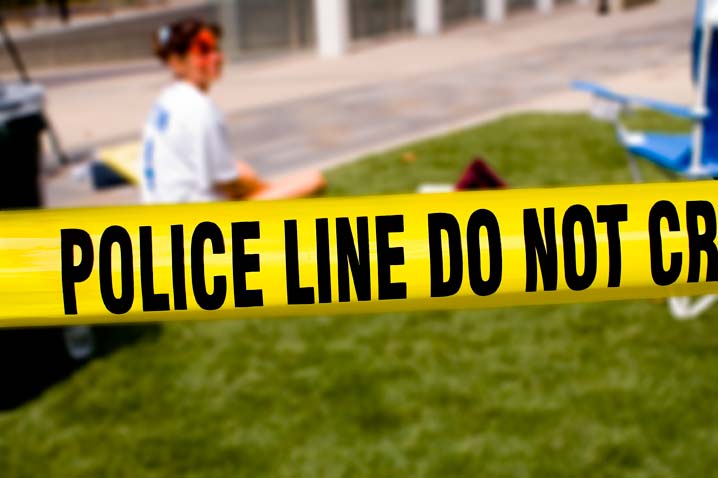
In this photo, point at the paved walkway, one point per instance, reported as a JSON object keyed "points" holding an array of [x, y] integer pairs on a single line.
{"points": [[303, 112]]}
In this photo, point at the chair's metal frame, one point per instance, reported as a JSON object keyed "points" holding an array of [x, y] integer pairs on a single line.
{"points": [[612, 107]]}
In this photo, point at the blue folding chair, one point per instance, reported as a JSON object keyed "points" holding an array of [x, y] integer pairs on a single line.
{"points": [[689, 155], [693, 155]]}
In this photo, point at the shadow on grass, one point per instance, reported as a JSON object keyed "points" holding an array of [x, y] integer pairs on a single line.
{"points": [[34, 359]]}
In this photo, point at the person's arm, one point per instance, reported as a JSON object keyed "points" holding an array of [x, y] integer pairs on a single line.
{"points": [[229, 178]]}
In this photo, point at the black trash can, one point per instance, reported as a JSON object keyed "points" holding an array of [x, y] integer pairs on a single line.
{"points": [[30, 359], [21, 123]]}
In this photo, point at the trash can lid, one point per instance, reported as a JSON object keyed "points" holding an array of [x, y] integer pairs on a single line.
{"points": [[18, 100]]}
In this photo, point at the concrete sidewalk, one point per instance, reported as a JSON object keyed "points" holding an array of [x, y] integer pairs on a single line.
{"points": [[300, 111]]}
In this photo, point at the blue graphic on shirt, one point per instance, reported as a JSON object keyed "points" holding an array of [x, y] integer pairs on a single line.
{"points": [[149, 167], [162, 119]]}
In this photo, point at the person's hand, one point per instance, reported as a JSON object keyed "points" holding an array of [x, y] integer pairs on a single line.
{"points": [[246, 186], [240, 188]]}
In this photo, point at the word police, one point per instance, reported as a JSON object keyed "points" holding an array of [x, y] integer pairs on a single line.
{"points": [[455, 251]]}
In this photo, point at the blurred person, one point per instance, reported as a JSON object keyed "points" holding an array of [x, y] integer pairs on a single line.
{"points": [[64, 8], [603, 7], [186, 155]]}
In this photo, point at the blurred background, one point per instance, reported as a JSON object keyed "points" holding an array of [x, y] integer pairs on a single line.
{"points": [[93, 27], [405, 68], [384, 96]]}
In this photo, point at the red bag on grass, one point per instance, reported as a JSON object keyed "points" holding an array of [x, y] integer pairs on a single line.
{"points": [[478, 175]]}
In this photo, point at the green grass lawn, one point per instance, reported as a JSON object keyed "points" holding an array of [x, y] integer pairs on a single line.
{"points": [[601, 390]]}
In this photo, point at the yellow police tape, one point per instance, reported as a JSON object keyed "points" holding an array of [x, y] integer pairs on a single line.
{"points": [[361, 254]]}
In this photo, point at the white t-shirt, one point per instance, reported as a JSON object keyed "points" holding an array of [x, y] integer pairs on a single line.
{"points": [[185, 151]]}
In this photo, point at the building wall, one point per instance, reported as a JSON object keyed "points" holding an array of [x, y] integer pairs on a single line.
{"points": [[372, 18], [518, 5], [270, 25], [455, 11]]}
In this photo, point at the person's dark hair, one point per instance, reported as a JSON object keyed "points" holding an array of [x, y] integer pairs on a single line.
{"points": [[177, 37]]}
